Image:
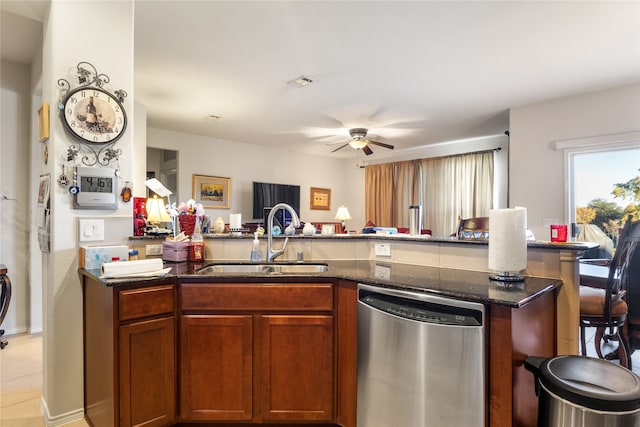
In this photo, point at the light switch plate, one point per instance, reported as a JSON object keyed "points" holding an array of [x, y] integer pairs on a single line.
{"points": [[91, 230], [383, 249]]}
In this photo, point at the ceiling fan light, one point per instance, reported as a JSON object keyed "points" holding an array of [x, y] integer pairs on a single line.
{"points": [[358, 143]]}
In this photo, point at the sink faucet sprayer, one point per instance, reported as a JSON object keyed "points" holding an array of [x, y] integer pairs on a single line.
{"points": [[272, 253]]}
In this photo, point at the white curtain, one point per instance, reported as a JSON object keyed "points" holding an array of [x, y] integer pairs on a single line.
{"points": [[456, 186], [407, 191]]}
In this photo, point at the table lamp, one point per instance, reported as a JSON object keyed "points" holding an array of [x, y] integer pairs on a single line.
{"points": [[156, 212], [343, 215], [162, 191]]}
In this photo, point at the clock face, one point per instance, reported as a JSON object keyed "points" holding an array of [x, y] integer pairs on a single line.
{"points": [[94, 116]]}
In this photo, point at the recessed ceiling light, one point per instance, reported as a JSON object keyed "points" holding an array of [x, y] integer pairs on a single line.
{"points": [[300, 81]]}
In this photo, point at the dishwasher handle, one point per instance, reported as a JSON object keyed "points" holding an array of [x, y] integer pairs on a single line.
{"points": [[421, 311]]}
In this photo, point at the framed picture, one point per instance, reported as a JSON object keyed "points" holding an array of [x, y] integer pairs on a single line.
{"points": [[43, 122], [212, 191], [320, 199]]}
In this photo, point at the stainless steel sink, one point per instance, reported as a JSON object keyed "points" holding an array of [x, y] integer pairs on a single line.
{"points": [[297, 268], [300, 268]]}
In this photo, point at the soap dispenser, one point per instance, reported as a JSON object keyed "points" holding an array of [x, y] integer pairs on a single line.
{"points": [[256, 252]]}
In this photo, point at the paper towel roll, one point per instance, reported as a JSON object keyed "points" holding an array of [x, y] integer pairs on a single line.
{"points": [[128, 268], [508, 240], [235, 221]]}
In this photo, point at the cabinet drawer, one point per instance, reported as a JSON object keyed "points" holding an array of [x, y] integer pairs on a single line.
{"points": [[257, 296], [144, 302]]}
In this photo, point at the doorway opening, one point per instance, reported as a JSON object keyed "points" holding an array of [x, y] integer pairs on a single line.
{"points": [[163, 165]]}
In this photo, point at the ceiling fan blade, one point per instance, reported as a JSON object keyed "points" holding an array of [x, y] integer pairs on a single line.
{"points": [[381, 144], [335, 143], [367, 150], [340, 148]]}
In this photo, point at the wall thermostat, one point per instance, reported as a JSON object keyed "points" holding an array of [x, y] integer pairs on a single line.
{"points": [[97, 188]]}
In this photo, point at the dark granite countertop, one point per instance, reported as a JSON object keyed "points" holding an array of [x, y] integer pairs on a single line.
{"points": [[582, 246], [461, 284]]}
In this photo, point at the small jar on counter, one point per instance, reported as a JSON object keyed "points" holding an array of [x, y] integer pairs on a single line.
{"points": [[133, 255], [196, 248]]}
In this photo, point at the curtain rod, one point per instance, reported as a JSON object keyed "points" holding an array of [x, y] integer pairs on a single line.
{"points": [[496, 149]]}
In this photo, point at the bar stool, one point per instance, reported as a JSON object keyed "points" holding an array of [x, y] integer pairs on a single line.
{"points": [[607, 308], [5, 298]]}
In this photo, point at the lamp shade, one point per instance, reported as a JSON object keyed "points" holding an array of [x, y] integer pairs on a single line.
{"points": [[156, 212], [343, 214]]}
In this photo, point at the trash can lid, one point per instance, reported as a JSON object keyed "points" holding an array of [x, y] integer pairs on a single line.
{"points": [[593, 383]]}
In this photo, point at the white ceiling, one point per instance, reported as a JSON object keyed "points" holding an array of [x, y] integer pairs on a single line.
{"points": [[413, 72]]}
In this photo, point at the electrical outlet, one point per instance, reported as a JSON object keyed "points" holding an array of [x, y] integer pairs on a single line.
{"points": [[383, 249], [151, 250], [383, 272]]}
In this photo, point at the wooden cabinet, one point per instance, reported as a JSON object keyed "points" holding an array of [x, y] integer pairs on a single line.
{"points": [[147, 373], [257, 352], [216, 367], [130, 354], [297, 367]]}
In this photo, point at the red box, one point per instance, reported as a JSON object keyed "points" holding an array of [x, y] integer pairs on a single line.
{"points": [[139, 216], [558, 233]]}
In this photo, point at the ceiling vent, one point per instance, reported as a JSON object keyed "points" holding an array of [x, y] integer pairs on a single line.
{"points": [[300, 81]]}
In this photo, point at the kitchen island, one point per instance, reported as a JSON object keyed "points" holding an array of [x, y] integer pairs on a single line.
{"points": [[176, 313], [544, 259]]}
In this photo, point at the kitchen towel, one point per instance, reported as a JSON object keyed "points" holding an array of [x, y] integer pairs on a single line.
{"points": [[508, 240], [139, 268]]}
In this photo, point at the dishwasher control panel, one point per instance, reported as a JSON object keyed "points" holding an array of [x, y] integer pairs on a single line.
{"points": [[422, 311]]}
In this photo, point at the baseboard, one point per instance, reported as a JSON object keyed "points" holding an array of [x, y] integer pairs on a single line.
{"points": [[14, 331], [59, 420], [34, 331]]}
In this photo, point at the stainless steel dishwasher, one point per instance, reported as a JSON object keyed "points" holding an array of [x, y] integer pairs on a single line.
{"points": [[421, 360]]}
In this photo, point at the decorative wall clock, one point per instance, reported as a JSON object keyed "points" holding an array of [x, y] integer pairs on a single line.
{"points": [[93, 114]]}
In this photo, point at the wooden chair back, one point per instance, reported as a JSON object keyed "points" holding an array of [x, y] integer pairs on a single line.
{"points": [[473, 228]]}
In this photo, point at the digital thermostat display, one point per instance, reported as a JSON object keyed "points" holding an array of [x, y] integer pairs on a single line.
{"points": [[98, 188], [96, 184]]}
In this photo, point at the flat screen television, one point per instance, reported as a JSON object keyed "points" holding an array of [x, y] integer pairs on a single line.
{"points": [[267, 195]]}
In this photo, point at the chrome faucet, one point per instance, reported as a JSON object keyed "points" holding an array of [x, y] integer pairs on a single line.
{"points": [[273, 253]]}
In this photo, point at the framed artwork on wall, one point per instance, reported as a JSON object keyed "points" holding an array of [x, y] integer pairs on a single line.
{"points": [[320, 198], [213, 192], [43, 122]]}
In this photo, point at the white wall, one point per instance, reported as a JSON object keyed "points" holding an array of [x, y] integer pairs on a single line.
{"points": [[536, 169], [139, 150], [245, 163], [16, 118], [69, 37]]}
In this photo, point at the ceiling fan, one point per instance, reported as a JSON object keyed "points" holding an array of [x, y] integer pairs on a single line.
{"points": [[359, 141]]}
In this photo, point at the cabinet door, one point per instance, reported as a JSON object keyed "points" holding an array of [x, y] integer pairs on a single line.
{"points": [[147, 373], [216, 367], [297, 368]]}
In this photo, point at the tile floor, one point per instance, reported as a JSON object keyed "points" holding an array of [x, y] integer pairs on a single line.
{"points": [[610, 346], [21, 383], [21, 380]]}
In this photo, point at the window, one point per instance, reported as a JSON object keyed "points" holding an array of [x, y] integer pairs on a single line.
{"points": [[594, 166]]}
